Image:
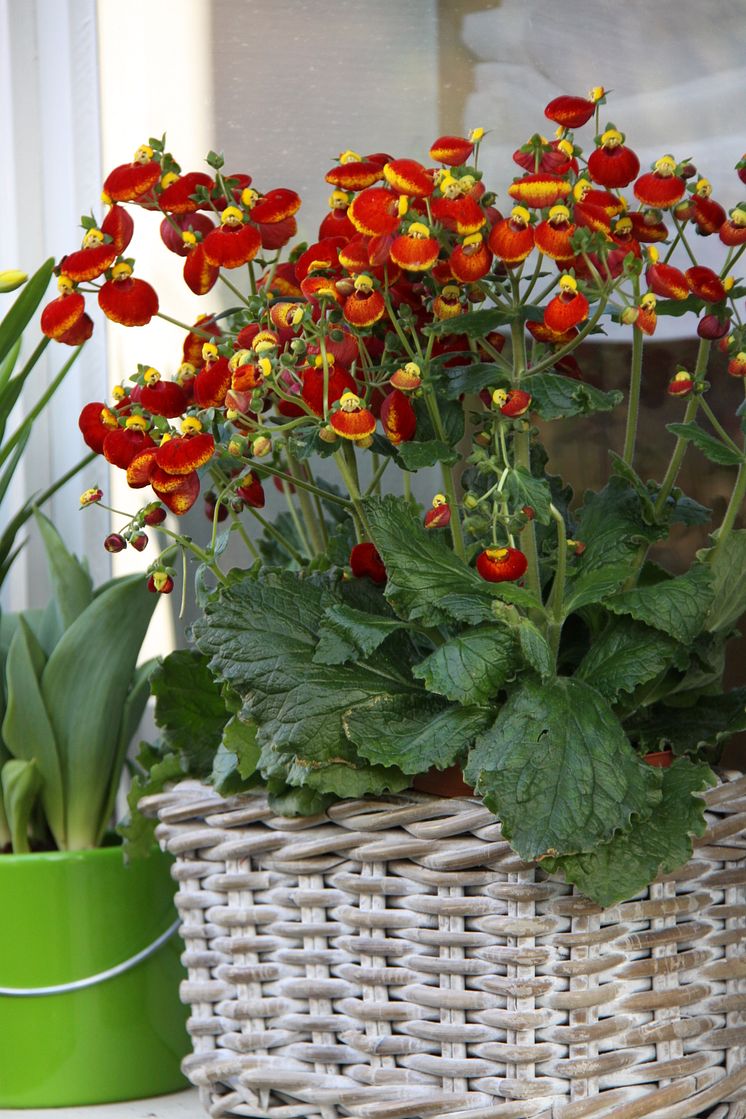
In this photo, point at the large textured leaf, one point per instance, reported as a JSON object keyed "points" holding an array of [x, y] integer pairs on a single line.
{"points": [[535, 649], [348, 634], [612, 525], [426, 579], [261, 637], [85, 685], [239, 738], [676, 606], [27, 729], [659, 844], [593, 585], [415, 735], [704, 724], [710, 446], [474, 324], [471, 667], [728, 566], [472, 379], [523, 488], [138, 831], [624, 656], [558, 770], [556, 397], [189, 708], [416, 456]]}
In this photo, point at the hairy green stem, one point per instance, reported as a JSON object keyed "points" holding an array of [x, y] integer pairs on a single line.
{"points": [[309, 514], [449, 480], [557, 595], [734, 507], [681, 445], [277, 535], [347, 466], [635, 384], [522, 456]]}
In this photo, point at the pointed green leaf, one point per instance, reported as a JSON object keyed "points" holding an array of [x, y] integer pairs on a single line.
{"points": [[558, 770], [727, 562], [471, 667], [612, 524], [85, 686], [189, 708], [8, 364], [535, 649], [624, 656], [677, 606], [27, 727], [262, 636], [594, 585], [556, 397], [348, 634], [417, 455], [426, 579], [657, 844], [413, 734], [686, 729], [710, 446], [473, 378]]}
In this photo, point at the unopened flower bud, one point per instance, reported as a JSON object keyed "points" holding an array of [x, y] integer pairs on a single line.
{"points": [[139, 541], [11, 279], [90, 497], [328, 434], [114, 542], [160, 582], [261, 446], [154, 515]]}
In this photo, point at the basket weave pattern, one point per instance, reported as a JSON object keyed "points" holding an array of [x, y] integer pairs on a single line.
{"points": [[394, 959]]}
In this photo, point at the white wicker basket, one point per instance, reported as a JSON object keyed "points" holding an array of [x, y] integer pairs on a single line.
{"points": [[394, 959]]}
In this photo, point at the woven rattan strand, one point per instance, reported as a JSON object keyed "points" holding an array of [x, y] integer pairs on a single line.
{"points": [[394, 959]]}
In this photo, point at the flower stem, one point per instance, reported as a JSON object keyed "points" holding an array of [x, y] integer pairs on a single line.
{"points": [[635, 383], [680, 448], [734, 508], [557, 595], [347, 466], [278, 536], [449, 481], [522, 457]]}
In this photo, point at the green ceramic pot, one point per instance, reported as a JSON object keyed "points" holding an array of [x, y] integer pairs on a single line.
{"points": [[68, 916]]}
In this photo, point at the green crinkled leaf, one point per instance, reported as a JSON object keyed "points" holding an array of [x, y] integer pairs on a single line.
{"points": [[593, 585], [622, 469], [710, 446], [239, 737], [556, 397], [412, 733], [474, 324], [558, 770], [471, 667], [189, 708], [286, 801], [684, 510], [535, 649], [138, 831], [612, 525], [426, 579], [522, 488], [677, 606], [468, 379], [728, 566], [348, 634], [451, 419], [704, 724], [624, 656], [658, 844], [416, 456], [261, 637], [224, 776]]}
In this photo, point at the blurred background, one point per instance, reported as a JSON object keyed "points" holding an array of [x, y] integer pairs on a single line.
{"points": [[282, 87]]}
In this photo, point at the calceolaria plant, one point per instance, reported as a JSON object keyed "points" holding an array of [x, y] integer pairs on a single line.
{"points": [[510, 629]]}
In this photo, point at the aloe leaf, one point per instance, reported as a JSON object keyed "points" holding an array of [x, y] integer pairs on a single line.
{"points": [[134, 705], [14, 387], [23, 309], [27, 729], [7, 540], [8, 364], [85, 686], [72, 585], [21, 782], [41, 403], [10, 469]]}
